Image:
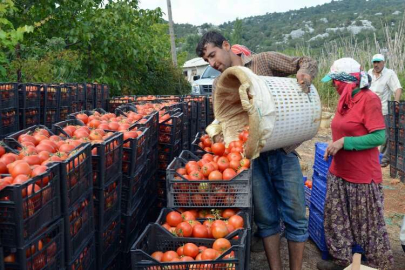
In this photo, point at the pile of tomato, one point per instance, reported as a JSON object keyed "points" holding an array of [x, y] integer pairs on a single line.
{"points": [[217, 225], [191, 252], [223, 164]]}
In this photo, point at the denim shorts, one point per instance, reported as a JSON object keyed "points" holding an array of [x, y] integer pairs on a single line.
{"points": [[278, 194]]}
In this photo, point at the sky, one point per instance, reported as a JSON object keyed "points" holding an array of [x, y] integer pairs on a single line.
{"points": [[198, 12]]}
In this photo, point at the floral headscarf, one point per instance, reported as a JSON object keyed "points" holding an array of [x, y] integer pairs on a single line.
{"points": [[347, 76], [240, 49]]}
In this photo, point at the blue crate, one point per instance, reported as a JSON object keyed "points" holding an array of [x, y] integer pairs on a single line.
{"points": [[320, 165], [380, 156], [317, 198], [320, 182], [316, 231]]}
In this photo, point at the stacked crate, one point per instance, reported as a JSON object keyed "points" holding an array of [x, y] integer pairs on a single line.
{"points": [[50, 105], [8, 109], [396, 125], [64, 102], [89, 93], [31, 227], [29, 96], [318, 195], [169, 146], [78, 96]]}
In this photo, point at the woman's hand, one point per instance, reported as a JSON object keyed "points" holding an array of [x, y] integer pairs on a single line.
{"points": [[333, 148]]}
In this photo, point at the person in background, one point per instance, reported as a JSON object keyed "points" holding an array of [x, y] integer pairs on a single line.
{"points": [[354, 206], [384, 83], [278, 190]]}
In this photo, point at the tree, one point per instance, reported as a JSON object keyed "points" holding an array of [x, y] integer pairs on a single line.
{"points": [[236, 37], [9, 35]]}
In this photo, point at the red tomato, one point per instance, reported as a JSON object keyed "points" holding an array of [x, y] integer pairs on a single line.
{"points": [[221, 245], [168, 256], [228, 174], [174, 218], [236, 221], [184, 229], [200, 231], [209, 254], [215, 176], [219, 229], [191, 250], [218, 149]]}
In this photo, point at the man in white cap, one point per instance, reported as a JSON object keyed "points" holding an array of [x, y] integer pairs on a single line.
{"points": [[384, 83]]}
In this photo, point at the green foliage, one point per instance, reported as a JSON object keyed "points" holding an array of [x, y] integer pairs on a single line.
{"points": [[236, 37], [9, 35], [111, 42]]}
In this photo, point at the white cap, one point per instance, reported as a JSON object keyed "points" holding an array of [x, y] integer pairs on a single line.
{"points": [[378, 58]]}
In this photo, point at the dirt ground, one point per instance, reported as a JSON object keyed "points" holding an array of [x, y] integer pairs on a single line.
{"points": [[394, 192]]}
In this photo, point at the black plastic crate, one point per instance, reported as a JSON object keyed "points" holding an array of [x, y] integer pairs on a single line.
{"points": [[50, 95], [8, 95], [65, 97], [107, 203], [156, 238], [400, 163], [393, 120], [78, 106], [98, 92], [79, 224], [196, 148], [76, 176], [89, 90], [115, 102], [45, 251], [393, 172], [8, 121], [89, 105], [236, 192], [74, 91], [132, 225], [64, 112], [29, 95], [395, 148], [86, 258], [133, 189], [108, 242], [393, 160], [28, 208], [107, 160], [134, 152], [29, 117], [12, 139], [49, 116], [114, 264]]}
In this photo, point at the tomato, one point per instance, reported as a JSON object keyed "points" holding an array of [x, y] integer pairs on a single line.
{"points": [[223, 163], [82, 117], [113, 126], [196, 176], [10, 258], [180, 251], [200, 231], [78, 134], [187, 259], [39, 137], [208, 157], [38, 171], [208, 149], [157, 255], [207, 169], [2, 151], [202, 162], [227, 213], [219, 229], [21, 168], [45, 147], [191, 250], [228, 174], [209, 254], [215, 176], [181, 171], [218, 149], [95, 135], [182, 198], [33, 160], [174, 218], [94, 123], [221, 245], [213, 163], [236, 221], [43, 155], [192, 166], [234, 164], [236, 156], [184, 229], [207, 142], [245, 163], [230, 227], [188, 215], [3, 168], [8, 158], [168, 256]]}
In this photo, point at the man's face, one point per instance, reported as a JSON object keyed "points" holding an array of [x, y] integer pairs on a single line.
{"points": [[378, 66], [218, 58]]}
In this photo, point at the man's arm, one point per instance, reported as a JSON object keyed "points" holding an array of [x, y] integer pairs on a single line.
{"points": [[398, 94], [305, 68]]}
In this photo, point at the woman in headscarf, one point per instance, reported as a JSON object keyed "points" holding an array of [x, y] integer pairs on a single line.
{"points": [[353, 214]]}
